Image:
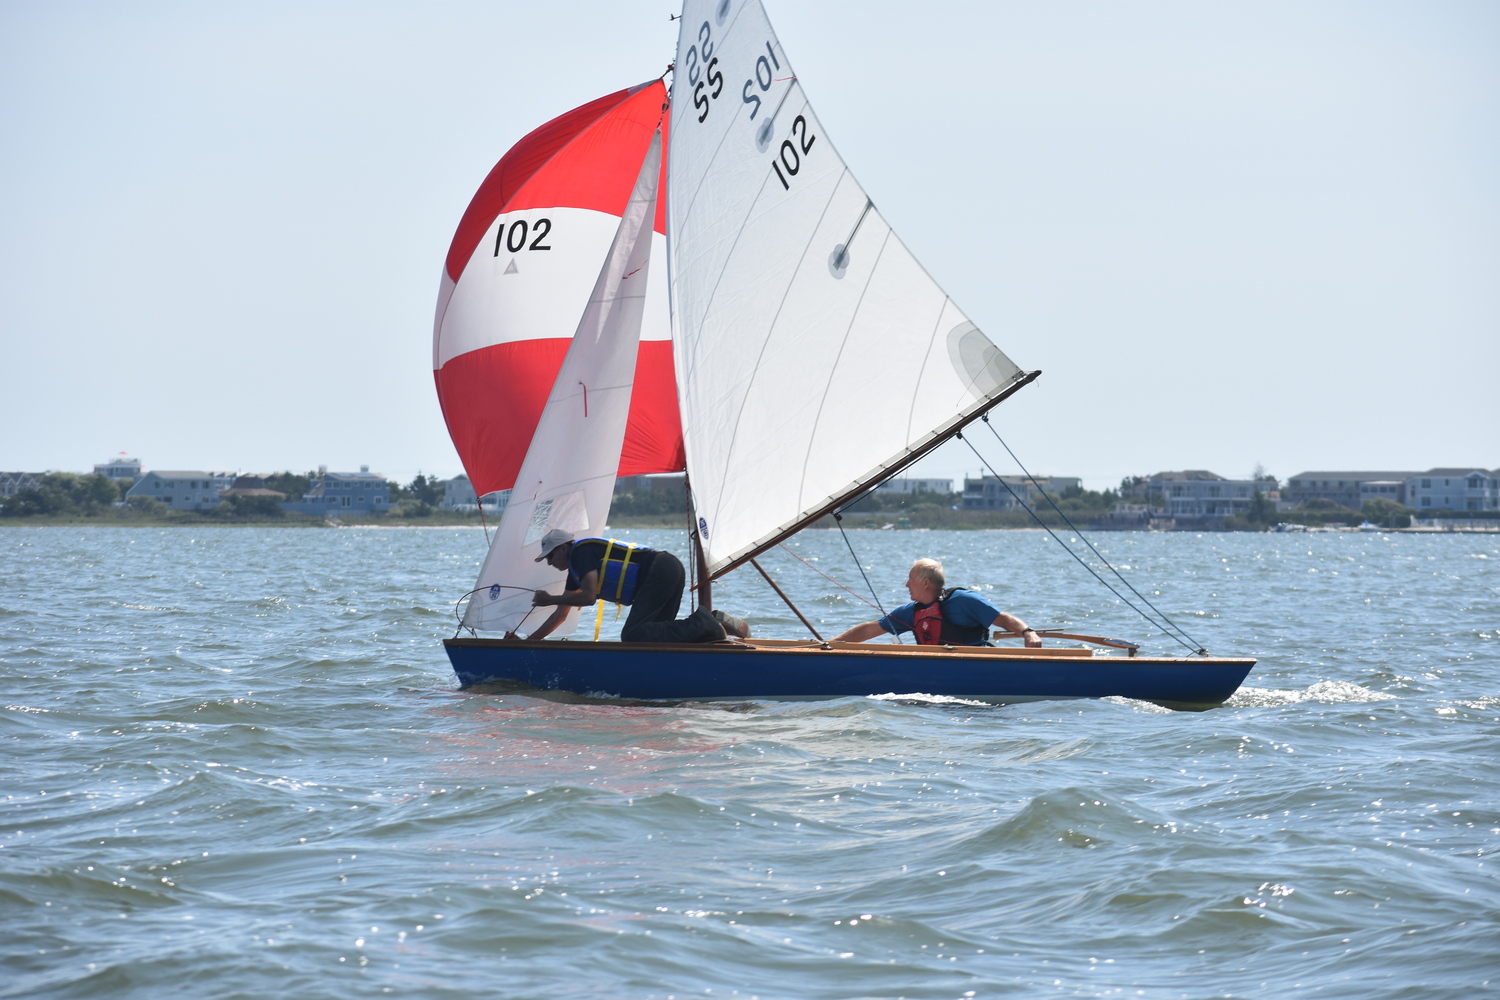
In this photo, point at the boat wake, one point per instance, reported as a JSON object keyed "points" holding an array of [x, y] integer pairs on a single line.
{"points": [[1322, 693], [918, 698]]}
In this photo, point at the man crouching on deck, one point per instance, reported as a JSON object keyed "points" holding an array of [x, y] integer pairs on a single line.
{"points": [[648, 581], [953, 617]]}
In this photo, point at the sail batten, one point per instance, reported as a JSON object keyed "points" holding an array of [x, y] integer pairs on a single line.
{"points": [[814, 354]]}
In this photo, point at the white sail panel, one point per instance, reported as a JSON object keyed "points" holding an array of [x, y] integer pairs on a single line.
{"points": [[504, 297], [567, 477], [813, 352]]}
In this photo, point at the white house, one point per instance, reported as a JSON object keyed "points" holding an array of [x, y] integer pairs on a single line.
{"points": [[12, 483], [458, 494], [119, 468], [1200, 494]]}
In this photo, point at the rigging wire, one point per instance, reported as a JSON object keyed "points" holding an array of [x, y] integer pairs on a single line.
{"points": [[838, 518], [856, 594], [1160, 613], [1081, 561]]}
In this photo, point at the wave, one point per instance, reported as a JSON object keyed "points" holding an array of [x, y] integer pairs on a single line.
{"points": [[1321, 693]]}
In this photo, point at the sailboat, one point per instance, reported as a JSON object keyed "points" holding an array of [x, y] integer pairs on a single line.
{"points": [[720, 224]]}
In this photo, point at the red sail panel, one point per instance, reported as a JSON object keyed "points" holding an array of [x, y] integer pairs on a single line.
{"points": [[517, 279]]}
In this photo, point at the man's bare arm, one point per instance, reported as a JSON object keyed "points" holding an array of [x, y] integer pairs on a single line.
{"points": [[1011, 623], [553, 620], [586, 594], [860, 633]]}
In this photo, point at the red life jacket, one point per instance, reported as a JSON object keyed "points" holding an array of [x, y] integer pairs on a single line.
{"points": [[932, 627]]}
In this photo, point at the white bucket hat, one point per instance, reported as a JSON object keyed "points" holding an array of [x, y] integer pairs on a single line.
{"points": [[552, 539]]}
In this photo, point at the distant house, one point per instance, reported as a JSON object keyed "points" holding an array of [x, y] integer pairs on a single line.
{"points": [[119, 468], [12, 483], [251, 486], [915, 486], [1393, 490], [991, 493], [330, 493], [1199, 497], [1454, 489], [1126, 517], [1343, 488], [653, 483], [182, 490], [458, 494]]}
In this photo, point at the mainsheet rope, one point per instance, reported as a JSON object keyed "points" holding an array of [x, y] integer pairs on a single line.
{"points": [[1081, 561], [854, 593]]}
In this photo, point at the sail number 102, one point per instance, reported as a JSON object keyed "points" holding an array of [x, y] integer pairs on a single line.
{"points": [[515, 240], [789, 157]]}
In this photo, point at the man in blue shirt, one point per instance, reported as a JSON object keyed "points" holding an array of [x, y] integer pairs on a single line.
{"points": [[963, 618]]}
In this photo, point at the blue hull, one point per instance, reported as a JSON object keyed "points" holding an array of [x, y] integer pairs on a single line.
{"points": [[774, 672]]}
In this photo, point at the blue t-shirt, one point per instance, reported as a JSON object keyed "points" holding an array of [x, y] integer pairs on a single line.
{"points": [[964, 608]]}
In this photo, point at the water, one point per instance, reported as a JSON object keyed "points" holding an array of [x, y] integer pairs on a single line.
{"points": [[235, 765]]}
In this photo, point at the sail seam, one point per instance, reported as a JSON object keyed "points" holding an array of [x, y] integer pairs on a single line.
{"points": [[740, 230], [843, 343], [937, 324], [771, 328]]}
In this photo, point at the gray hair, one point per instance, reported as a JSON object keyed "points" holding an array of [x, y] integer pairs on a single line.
{"points": [[929, 569]]}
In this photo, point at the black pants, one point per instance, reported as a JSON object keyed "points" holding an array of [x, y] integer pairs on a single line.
{"points": [[653, 613]]}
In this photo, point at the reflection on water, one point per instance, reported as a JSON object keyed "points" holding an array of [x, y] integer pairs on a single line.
{"points": [[236, 765]]}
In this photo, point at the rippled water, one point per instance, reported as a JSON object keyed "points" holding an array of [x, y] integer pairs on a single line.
{"points": [[235, 765]]}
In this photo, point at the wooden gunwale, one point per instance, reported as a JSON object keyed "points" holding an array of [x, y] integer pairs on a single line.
{"points": [[794, 647]]}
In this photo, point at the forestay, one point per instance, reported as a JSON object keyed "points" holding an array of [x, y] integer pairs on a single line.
{"points": [[567, 477], [814, 355]]}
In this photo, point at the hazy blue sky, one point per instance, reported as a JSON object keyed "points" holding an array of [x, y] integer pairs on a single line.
{"points": [[1229, 233]]}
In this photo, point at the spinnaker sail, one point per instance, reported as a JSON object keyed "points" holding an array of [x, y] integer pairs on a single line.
{"points": [[815, 356], [519, 273], [567, 478]]}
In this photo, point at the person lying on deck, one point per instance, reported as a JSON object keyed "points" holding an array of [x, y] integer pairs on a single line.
{"points": [[952, 617], [649, 582]]}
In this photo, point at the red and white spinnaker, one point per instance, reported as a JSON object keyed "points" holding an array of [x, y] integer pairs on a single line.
{"points": [[518, 277]]}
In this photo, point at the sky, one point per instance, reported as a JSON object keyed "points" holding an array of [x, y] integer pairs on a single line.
{"points": [[1229, 234]]}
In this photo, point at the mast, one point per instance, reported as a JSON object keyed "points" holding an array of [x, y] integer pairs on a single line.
{"points": [[700, 561]]}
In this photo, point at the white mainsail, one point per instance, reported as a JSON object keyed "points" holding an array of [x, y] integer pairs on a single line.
{"points": [[567, 478], [814, 355]]}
